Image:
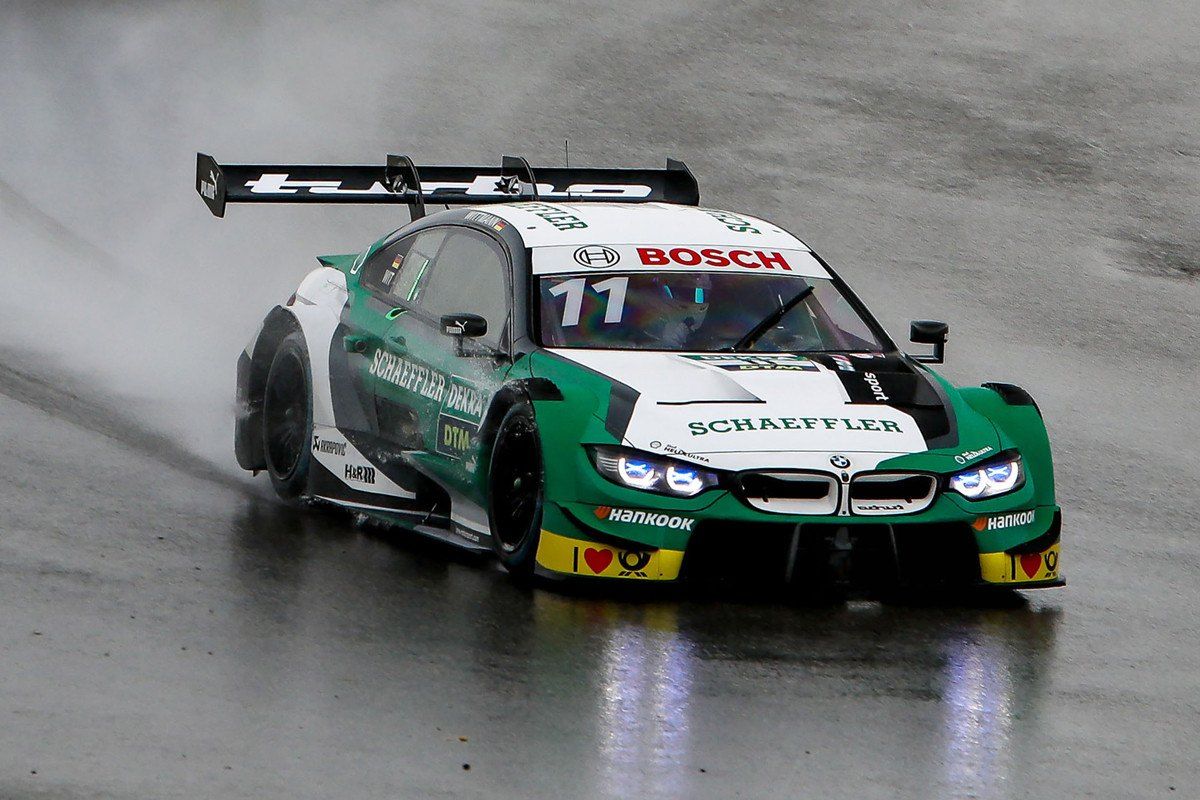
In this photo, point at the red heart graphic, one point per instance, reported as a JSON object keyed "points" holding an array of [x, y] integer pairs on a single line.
{"points": [[1031, 563], [602, 512], [597, 560]]}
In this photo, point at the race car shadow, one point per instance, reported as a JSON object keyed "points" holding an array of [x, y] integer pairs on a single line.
{"points": [[746, 593], [962, 597]]}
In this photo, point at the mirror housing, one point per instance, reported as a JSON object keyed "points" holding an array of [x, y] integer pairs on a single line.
{"points": [[928, 331], [463, 326], [472, 326]]}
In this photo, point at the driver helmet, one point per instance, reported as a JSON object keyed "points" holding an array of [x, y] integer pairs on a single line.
{"points": [[681, 300]]}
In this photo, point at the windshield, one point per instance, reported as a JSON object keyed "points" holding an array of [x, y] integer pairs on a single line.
{"points": [[700, 312]]}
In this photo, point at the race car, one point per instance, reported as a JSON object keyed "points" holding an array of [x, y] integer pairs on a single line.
{"points": [[590, 375]]}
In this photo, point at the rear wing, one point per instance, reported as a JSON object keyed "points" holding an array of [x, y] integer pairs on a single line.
{"points": [[401, 181]]}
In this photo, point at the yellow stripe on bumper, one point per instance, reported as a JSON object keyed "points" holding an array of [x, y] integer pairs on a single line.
{"points": [[577, 557], [1017, 569]]}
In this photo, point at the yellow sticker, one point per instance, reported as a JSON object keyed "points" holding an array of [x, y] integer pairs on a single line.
{"points": [[577, 557], [1021, 568]]}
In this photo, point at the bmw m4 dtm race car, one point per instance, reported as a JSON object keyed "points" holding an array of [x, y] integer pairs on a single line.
{"points": [[590, 375]]}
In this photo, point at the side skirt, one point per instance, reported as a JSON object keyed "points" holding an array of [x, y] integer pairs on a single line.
{"points": [[411, 512], [433, 526]]}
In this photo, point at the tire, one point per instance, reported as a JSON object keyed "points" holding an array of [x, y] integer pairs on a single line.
{"points": [[287, 418], [516, 490]]}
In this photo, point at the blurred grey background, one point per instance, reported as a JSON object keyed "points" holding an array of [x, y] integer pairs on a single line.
{"points": [[1025, 171]]}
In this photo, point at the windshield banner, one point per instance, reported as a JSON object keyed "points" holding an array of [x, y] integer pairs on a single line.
{"points": [[675, 258]]}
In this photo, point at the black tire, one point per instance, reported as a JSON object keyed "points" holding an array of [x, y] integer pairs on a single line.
{"points": [[287, 418], [516, 490]]}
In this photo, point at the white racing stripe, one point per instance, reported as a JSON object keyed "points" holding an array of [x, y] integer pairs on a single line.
{"points": [[324, 289], [563, 223], [723, 408]]}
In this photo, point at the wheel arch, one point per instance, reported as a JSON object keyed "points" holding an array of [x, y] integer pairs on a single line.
{"points": [[526, 390], [253, 366], [1015, 414]]}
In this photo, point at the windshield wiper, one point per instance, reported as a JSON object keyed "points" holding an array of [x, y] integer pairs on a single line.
{"points": [[770, 320]]}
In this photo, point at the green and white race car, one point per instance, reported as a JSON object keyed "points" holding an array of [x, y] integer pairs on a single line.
{"points": [[590, 375]]}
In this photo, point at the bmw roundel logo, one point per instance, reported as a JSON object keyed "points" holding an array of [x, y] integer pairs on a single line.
{"points": [[596, 256], [839, 461]]}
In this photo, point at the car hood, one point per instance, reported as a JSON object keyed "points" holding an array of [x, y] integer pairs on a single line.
{"points": [[742, 410]]}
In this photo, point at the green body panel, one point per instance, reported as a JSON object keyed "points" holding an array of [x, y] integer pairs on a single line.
{"points": [[454, 450], [575, 490], [449, 406], [1024, 429]]}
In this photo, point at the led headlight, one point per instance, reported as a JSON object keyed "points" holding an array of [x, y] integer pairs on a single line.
{"points": [[651, 473], [989, 480], [638, 472]]}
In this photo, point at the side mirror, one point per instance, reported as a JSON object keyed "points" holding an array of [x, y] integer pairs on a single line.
{"points": [[928, 331], [472, 326], [463, 326]]}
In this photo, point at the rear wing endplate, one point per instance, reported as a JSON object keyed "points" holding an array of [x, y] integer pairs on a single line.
{"points": [[399, 180]]}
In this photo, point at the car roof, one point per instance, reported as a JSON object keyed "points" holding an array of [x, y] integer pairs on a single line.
{"points": [[543, 224]]}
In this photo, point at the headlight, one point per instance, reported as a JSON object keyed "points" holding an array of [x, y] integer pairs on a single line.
{"points": [[651, 473], [989, 480]]}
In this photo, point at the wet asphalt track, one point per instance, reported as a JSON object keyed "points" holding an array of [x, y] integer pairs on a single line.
{"points": [[1026, 171]]}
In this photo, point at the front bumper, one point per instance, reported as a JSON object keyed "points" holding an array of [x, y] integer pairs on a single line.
{"points": [[1002, 542], [595, 528]]}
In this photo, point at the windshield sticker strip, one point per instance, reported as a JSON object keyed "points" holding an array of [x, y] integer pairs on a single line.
{"points": [[738, 363], [558, 259]]}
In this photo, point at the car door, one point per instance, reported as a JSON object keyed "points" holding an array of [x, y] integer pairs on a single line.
{"points": [[449, 383], [397, 384], [364, 324]]}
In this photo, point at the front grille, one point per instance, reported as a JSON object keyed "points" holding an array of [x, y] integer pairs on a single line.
{"points": [[858, 555], [874, 494], [738, 552], [789, 492]]}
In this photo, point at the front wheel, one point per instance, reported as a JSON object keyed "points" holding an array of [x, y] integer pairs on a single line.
{"points": [[516, 487]]}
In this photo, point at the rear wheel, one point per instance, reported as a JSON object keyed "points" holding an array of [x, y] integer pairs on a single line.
{"points": [[287, 418], [516, 487]]}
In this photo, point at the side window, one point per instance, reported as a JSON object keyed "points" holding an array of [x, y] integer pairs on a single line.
{"points": [[468, 276], [414, 267], [382, 271], [381, 268]]}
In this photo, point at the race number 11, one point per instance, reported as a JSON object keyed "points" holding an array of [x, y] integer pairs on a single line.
{"points": [[574, 290]]}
